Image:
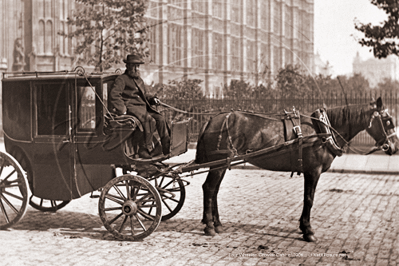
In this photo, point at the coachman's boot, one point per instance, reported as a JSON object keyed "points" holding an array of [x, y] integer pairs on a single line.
{"points": [[143, 152], [165, 141]]}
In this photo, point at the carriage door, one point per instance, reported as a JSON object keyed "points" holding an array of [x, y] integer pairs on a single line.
{"points": [[53, 160]]}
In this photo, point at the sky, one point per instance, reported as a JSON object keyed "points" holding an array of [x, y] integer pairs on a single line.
{"points": [[334, 27]]}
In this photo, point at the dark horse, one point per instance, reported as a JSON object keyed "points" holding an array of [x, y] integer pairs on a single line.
{"points": [[239, 133]]}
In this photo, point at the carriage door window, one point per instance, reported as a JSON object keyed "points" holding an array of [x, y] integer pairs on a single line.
{"points": [[87, 108], [52, 109]]}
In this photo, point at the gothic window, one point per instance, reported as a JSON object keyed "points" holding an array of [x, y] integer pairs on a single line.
{"points": [[175, 45], [47, 8], [48, 44], [198, 6], [288, 22], [276, 59], [277, 18], [236, 11], [198, 48], [40, 44], [217, 51], [251, 13], [217, 6], [235, 54], [153, 44], [265, 15], [251, 48]]}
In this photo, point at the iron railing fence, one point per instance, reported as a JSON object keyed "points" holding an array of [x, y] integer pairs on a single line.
{"points": [[274, 104]]}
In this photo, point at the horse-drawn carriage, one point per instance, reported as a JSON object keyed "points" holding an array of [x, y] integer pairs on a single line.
{"points": [[61, 143]]}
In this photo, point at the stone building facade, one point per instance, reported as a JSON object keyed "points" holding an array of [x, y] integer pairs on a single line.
{"points": [[212, 40]]}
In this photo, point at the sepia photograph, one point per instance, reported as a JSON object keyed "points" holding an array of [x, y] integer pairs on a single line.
{"points": [[199, 132]]}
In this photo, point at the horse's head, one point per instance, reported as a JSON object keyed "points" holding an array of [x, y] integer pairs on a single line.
{"points": [[382, 128]]}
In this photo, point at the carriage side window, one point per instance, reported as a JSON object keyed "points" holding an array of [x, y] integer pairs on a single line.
{"points": [[87, 108], [52, 109]]}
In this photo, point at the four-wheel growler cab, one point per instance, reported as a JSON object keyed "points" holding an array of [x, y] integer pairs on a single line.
{"points": [[55, 126]]}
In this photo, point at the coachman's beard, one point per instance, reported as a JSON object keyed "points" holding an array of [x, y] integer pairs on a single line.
{"points": [[134, 74]]}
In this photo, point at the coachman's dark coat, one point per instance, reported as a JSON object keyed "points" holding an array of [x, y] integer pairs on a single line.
{"points": [[130, 95]]}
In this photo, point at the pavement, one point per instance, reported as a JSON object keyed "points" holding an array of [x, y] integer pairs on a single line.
{"points": [[378, 163]]}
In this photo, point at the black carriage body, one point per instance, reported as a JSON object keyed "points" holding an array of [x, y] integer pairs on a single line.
{"points": [[54, 126]]}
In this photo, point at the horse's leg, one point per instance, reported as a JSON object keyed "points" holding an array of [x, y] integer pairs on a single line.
{"points": [[311, 179], [215, 212], [209, 188]]}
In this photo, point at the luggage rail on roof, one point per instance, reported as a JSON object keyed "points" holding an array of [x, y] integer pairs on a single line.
{"points": [[78, 70]]}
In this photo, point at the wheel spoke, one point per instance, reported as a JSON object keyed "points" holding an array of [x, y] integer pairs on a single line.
{"points": [[145, 215], [132, 225], [140, 222], [114, 199], [128, 190], [115, 218], [120, 192], [123, 223], [4, 211], [10, 174], [167, 206], [113, 209], [9, 203], [12, 195]]}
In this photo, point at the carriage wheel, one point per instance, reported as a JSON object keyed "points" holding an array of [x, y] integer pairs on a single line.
{"points": [[46, 205], [123, 207], [13, 191], [172, 192]]}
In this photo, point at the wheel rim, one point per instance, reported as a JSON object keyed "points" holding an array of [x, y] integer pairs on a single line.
{"points": [[45, 205], [172, 192], [123, 207], [13, 191]]}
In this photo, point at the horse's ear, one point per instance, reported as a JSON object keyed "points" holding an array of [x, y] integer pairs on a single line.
{"points": [[379, 103]]}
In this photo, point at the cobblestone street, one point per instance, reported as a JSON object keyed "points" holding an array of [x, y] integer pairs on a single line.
{"points": [[354, 217]]}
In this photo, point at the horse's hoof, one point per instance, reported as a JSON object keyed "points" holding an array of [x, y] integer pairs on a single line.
{"points": [[308, 231], [309, 238], [209, 231], [219, 229]]}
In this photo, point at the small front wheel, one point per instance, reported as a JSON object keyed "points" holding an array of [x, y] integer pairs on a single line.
{"points": [[124, 208], [46, 205], [13, 191]]}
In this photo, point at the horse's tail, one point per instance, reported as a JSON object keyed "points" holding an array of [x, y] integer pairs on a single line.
{"points": [[200, 156]]}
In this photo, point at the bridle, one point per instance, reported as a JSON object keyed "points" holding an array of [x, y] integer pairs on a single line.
{"points": [[385, 121]]}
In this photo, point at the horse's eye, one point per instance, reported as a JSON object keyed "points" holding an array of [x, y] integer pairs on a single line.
{"points": [[388, 123]]}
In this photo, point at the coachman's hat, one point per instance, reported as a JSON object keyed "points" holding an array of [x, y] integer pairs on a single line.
{"points": [[133, 59]]}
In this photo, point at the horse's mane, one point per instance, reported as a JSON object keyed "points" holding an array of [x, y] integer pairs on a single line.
{"points": [[350, 114]]}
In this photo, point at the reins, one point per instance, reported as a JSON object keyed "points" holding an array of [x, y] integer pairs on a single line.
{"points": [[268, 116]]}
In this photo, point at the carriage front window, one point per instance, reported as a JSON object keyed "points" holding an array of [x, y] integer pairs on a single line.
{"points": [[52, 109], [87, 108]]}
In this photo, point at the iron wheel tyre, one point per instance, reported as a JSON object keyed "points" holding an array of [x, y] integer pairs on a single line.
{"points": [[123, 207], [14, 191], [172, 192], [46, 205]]}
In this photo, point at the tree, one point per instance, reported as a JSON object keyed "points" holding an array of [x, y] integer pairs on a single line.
{"points": [[382, 39], [107, 29]]}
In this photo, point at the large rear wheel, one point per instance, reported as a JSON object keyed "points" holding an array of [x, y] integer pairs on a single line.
{"points": [[124, 204], [13, 191]]}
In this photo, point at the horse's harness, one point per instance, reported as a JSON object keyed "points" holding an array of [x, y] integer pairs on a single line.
{"points": [[292, 130], [385, 120]]}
